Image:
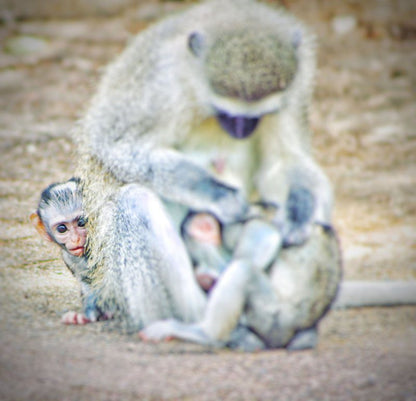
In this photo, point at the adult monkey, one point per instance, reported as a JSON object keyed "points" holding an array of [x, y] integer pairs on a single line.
{"points": [[204, 111]]}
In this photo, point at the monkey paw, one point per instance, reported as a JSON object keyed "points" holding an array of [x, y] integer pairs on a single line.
{"points": [[157, 332], [298, 235], [231, 208], [298, 216], [74, 318]]}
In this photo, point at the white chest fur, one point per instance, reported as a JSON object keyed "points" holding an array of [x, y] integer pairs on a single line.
{"points": [[230, 160]]}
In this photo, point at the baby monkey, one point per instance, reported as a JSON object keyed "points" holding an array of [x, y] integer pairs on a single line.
{"points": [[202, 234], [59, 218], [211, 244]]}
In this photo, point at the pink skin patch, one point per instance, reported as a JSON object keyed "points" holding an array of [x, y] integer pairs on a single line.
{"points": [[147, 339], [77, 251], [206, 281], [71, 235], [219, 165], [205, 228], [75, 318]]}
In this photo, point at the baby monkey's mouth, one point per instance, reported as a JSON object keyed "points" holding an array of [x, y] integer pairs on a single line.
{"points": [[240, 126], [77, 251]]}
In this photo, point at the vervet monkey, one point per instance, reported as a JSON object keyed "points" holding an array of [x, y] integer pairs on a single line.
{"points": [[210, 250], [207, 244], [202, 234], [253, 286], [59, 218], [205, 111], [211, 244]]}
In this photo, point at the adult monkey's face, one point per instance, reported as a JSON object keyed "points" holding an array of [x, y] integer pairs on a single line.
{"points": [[243, 69]]}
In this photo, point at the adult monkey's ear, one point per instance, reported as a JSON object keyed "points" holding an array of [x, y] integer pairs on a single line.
{"points": [[196, 43], [40, 227]]}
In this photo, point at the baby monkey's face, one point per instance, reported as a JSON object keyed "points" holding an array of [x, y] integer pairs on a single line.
{"points": [[72, 234]]}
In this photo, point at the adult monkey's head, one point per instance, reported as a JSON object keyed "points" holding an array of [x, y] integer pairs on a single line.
{"points": [[248, 72]]}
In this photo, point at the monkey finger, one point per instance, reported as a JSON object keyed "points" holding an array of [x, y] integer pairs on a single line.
{"points": [[158, 331], [149, 339], [206, 281], [297, 235], [105, 316], [145, 338], [72, 317]]}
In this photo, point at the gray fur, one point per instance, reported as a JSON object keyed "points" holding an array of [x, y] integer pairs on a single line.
{"points": [[151, 138], [281, 305], [78, 266], [59, 201]]}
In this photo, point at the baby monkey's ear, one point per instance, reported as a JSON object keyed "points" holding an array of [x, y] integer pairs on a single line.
{"points": [[40, 227]]}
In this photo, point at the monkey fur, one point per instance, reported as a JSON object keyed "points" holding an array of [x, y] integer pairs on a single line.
{"points": [[204, 111], [59, 218]]}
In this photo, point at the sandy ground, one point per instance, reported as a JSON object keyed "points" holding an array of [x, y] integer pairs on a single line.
{"points": [[364, 118]]}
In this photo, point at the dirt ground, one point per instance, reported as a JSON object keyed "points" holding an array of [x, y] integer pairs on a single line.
{"points": [[364, 118]]}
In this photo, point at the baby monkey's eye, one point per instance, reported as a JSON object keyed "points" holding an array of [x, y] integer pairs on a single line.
{"points": [[61, 228], [81, 222]]}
